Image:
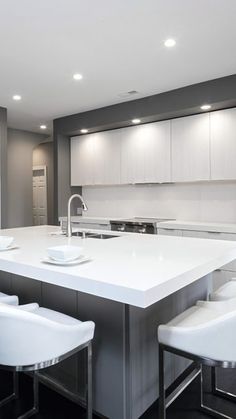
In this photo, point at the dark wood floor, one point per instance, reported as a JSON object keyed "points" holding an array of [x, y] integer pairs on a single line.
{"points": [[53, 406]]}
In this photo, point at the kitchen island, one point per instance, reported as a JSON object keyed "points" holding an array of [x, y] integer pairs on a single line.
{"points": [[131, 284]]}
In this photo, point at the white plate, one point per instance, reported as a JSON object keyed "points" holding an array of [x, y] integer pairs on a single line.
{"points": [[13, 246], [80, 259]]}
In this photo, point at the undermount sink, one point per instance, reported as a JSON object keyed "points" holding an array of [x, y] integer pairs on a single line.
{"points": [[88, 235]]}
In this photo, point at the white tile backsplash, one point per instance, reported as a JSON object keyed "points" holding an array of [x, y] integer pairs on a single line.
{"points": [[211, 201]]}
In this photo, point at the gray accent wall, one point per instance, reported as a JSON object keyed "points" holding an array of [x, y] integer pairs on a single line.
{"points": [[220, 93], [62, 188], [19, 176]]}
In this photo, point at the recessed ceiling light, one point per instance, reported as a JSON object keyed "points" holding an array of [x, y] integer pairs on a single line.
{"points": [[170, 43], [83, 131], [16, 97], [205, 107], [77, 76], [136, 121], [43, 126]]}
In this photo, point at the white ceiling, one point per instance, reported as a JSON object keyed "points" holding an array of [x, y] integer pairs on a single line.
{"points": [[116, 44]]}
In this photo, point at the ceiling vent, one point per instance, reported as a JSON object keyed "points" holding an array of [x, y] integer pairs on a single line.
{"points": [[129, 93]]}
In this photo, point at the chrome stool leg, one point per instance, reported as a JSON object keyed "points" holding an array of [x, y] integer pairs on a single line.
{"points": [[15, 393], [89, 382], [217, 391], [207, 409], [35, 407], [162, 402]]}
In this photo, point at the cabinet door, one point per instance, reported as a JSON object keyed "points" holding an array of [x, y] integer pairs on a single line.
{"points": [[132, 149], [95, 159], [191, 148], [169, 232], [107, 150], [195, 234], [82, 160], [145, 153], [223, 144]]}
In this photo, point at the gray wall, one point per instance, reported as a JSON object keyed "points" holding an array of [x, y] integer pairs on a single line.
{"points": [[62, 188], [3, 167], [19, 176], [43, 155], [220, 93]]}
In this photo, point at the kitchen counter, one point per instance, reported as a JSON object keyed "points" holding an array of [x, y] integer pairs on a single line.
{"points": [[198, 226], [134, 269]]}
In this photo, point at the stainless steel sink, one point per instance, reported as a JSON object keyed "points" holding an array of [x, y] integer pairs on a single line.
{"points": [[90, 235]]}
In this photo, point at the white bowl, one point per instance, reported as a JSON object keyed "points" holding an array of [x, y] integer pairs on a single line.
{"points": [[64, 253], [5, 242]]}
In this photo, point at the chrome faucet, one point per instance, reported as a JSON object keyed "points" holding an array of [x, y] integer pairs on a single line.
{"points": [[84, 207]]}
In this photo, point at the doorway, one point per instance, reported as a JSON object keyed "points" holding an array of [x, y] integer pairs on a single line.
{"points": [[40, 212]]}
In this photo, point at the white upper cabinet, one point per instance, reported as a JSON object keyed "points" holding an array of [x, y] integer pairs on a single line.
{"points": [[95, 159], [82, 160], [145, 153], [107, 150], [223, 144], [191, 148]]}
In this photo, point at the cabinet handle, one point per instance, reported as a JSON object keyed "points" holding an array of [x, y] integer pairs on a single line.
{"points": [[214, 232]]}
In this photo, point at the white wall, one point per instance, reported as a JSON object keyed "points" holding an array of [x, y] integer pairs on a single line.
{"points": [[212, 201]]}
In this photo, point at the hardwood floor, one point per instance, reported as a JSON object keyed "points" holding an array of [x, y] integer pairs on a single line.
{"points": [[54, 406]]}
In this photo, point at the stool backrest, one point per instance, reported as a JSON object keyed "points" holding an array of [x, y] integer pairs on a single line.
{"points": [[27, 338]]}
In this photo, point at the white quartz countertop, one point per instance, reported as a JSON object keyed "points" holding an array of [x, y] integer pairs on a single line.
{"points": [[133, 268], [198, 226]]}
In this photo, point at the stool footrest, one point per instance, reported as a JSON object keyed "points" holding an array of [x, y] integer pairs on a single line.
{"points": [[28, 414], [214, 413], [8, 399], [225, 394]]}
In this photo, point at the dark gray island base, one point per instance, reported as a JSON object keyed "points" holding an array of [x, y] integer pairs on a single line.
{"points": [[125, 345]]}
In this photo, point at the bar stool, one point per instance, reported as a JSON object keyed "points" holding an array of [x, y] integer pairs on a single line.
{"points": [[225, 292], [9, 299], [34, 338], [204, 336]]}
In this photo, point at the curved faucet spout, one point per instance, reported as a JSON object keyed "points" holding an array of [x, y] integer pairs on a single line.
{"points": [[84, 207]]}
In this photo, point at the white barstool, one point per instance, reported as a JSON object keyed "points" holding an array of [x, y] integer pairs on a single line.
{"points": [[225, 292], [34, 338], [9, 299], [204, 336], [221, 306]]}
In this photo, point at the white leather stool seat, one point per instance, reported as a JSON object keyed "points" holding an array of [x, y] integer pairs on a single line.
{"points": [[9, 299], [34, 335], [225, 292], [50, 314], [202, 332], [222, 306], [56, 316], [28, 307]]}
